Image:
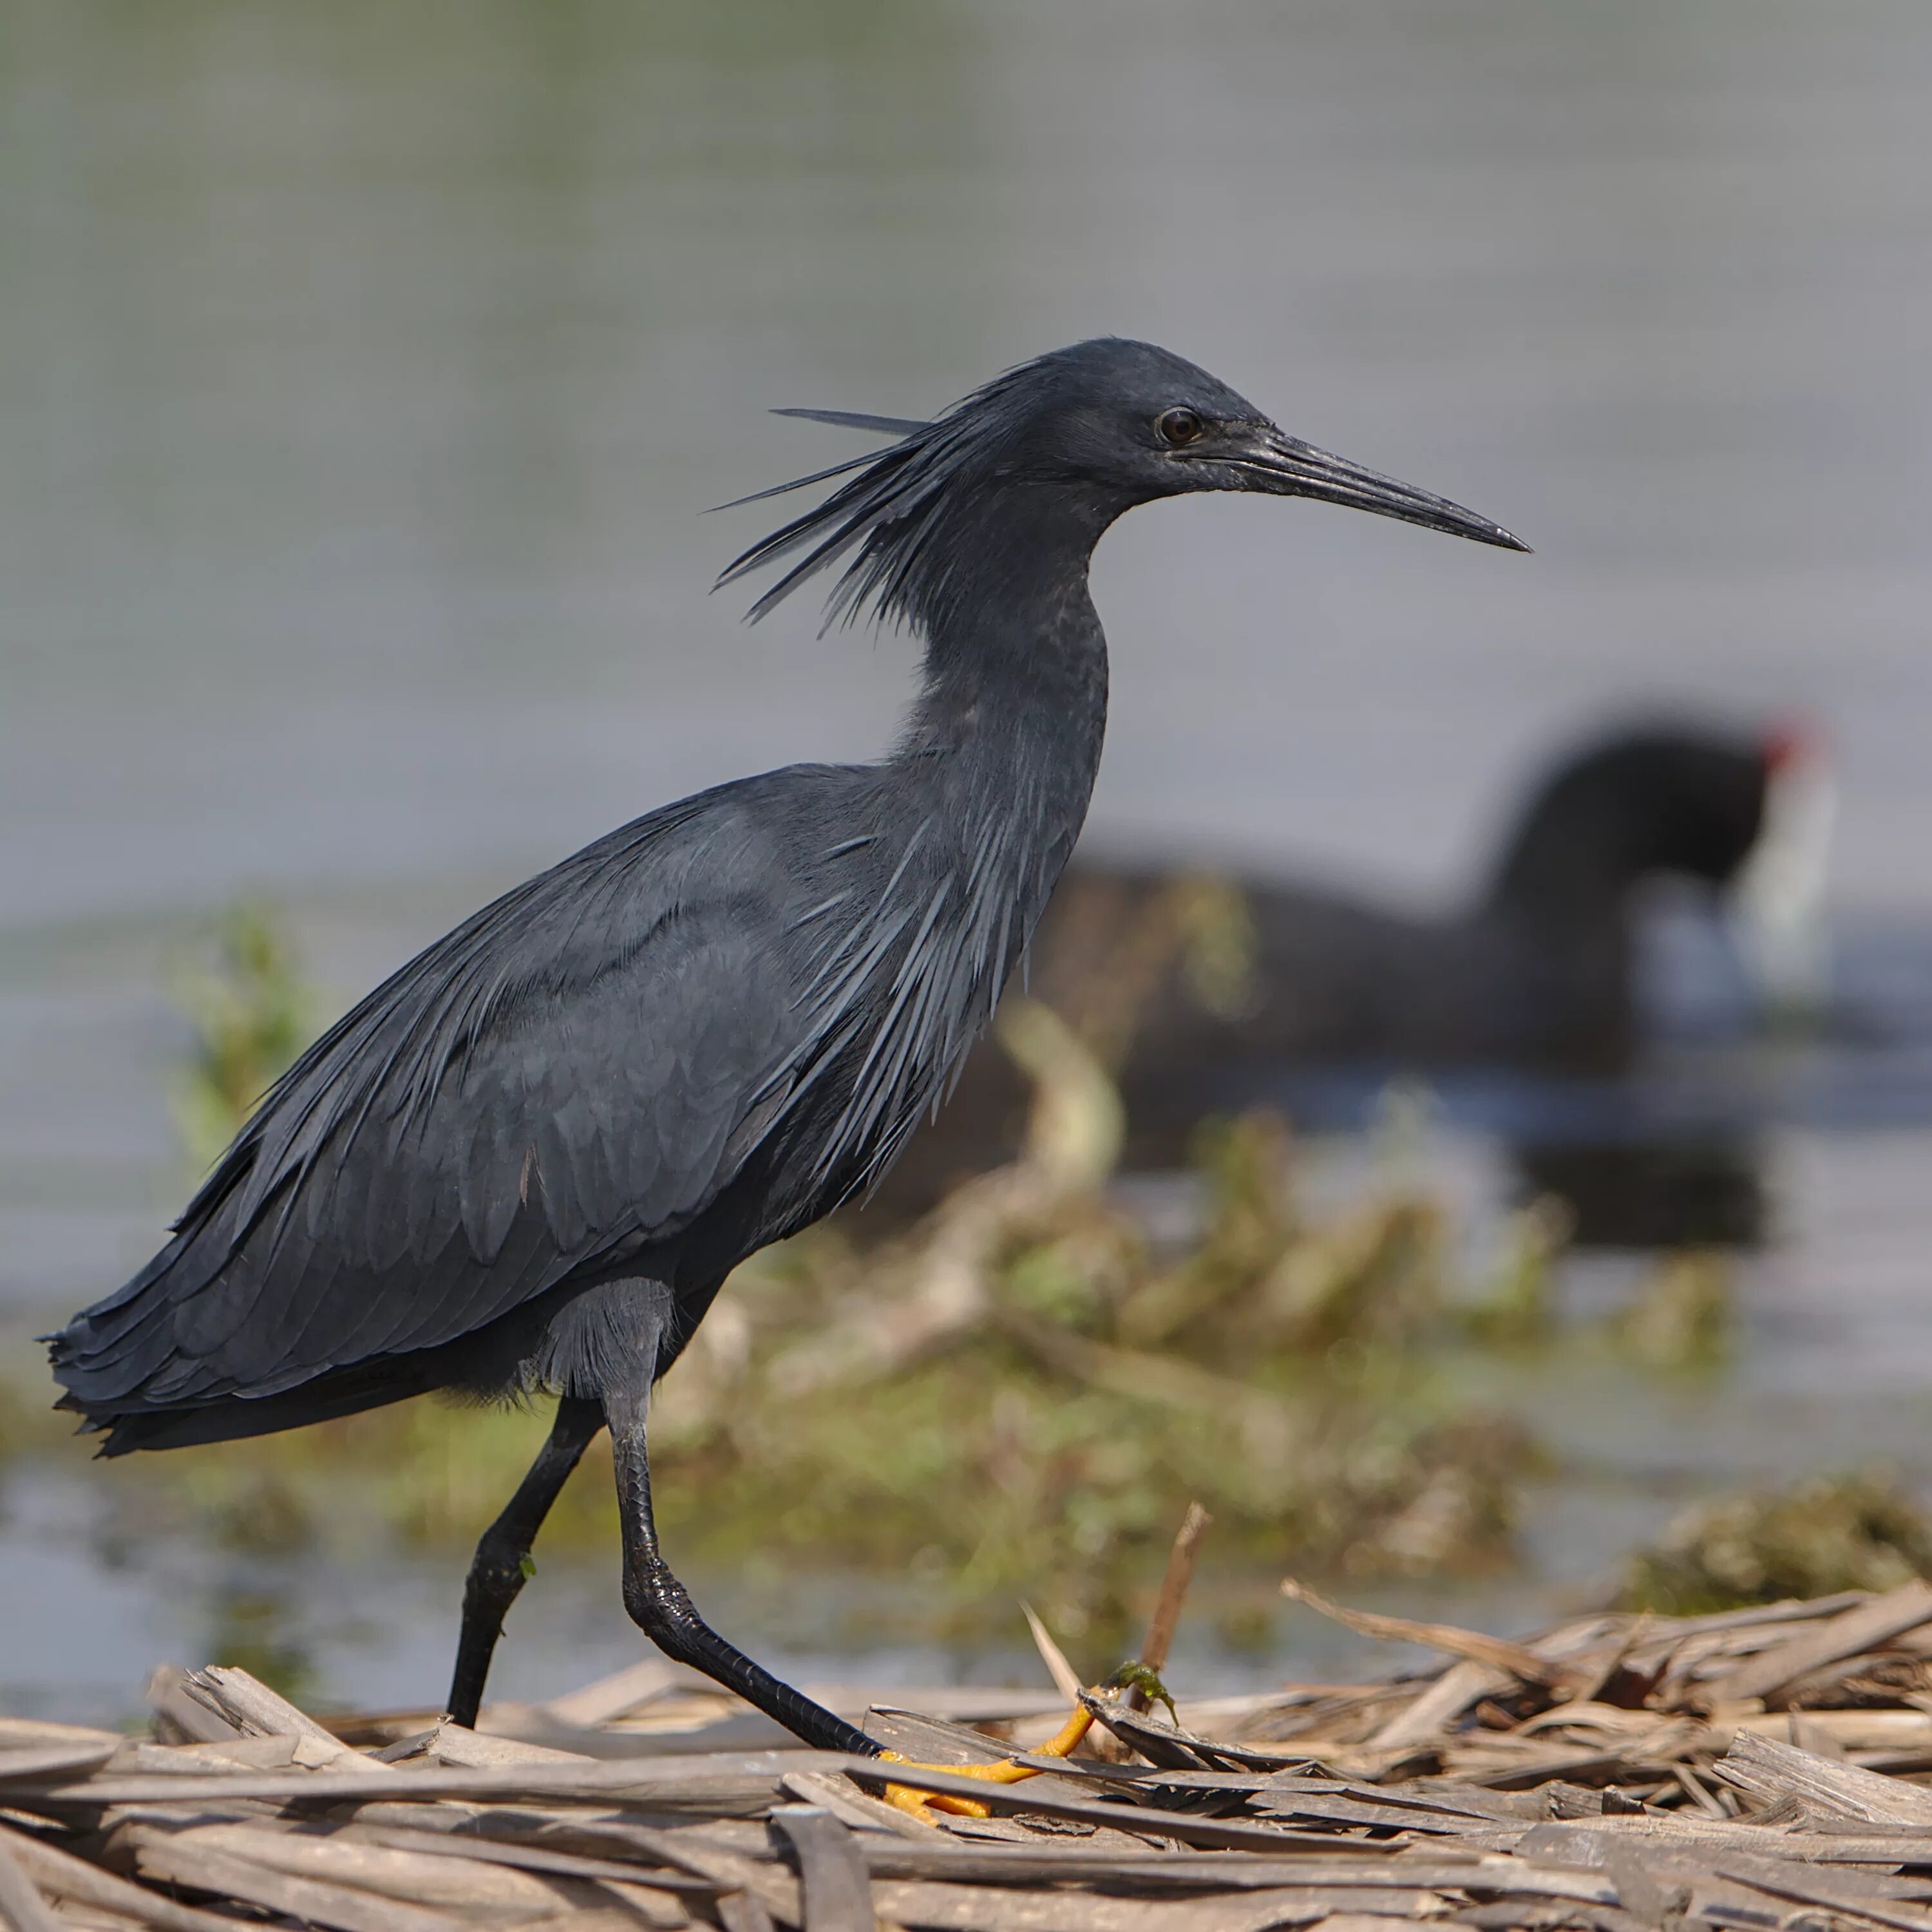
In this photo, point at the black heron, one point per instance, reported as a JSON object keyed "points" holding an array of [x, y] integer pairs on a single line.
{"points": [[528, 1160]]}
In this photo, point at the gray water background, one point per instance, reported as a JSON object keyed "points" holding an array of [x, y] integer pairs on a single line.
{"points": [[365, 370]]}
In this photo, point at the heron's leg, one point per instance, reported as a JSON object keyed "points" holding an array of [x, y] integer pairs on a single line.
{"points": [[661, 1608], [500, 1566]]}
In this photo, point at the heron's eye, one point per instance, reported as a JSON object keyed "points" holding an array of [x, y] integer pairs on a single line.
{"points": [[1179, 426]]}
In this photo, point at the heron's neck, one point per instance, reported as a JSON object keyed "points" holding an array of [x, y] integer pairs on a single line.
{"points": [[1008, 730], [1014, 703]]}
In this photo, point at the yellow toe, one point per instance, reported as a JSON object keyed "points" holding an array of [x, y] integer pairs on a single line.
{"points": [[921, 1804]]}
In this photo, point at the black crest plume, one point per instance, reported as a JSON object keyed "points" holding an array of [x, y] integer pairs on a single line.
{"points": [[902, 508]]}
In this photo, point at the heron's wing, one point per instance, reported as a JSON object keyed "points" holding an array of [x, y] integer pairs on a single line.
{"points": [[584, 1065]]}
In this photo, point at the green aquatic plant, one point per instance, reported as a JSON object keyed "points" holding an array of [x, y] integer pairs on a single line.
{"points": [[248, 1629], [1860, 1531], [1518, 1311], [1681, 1318], [252, 1013]]}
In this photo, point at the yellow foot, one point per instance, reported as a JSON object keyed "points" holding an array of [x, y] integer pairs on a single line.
{"points": [[1135, 1677], [922, 1804], [1005, 1772]]}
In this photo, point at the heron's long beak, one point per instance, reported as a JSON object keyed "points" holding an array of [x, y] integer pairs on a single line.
{"points": [[1282, 467]]}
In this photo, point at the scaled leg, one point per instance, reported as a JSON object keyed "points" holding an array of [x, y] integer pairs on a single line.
{"points": [[497, 1572], [660, 1609]]}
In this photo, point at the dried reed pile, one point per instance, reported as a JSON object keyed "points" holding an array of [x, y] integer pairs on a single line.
{"points": [[1752, 1769]]}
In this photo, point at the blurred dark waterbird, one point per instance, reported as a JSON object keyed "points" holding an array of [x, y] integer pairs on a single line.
{"points": [[527, 1161], [1189, 986]]}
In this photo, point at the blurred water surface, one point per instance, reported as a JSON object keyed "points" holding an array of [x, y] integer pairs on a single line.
{"points": [[364, 371]]}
